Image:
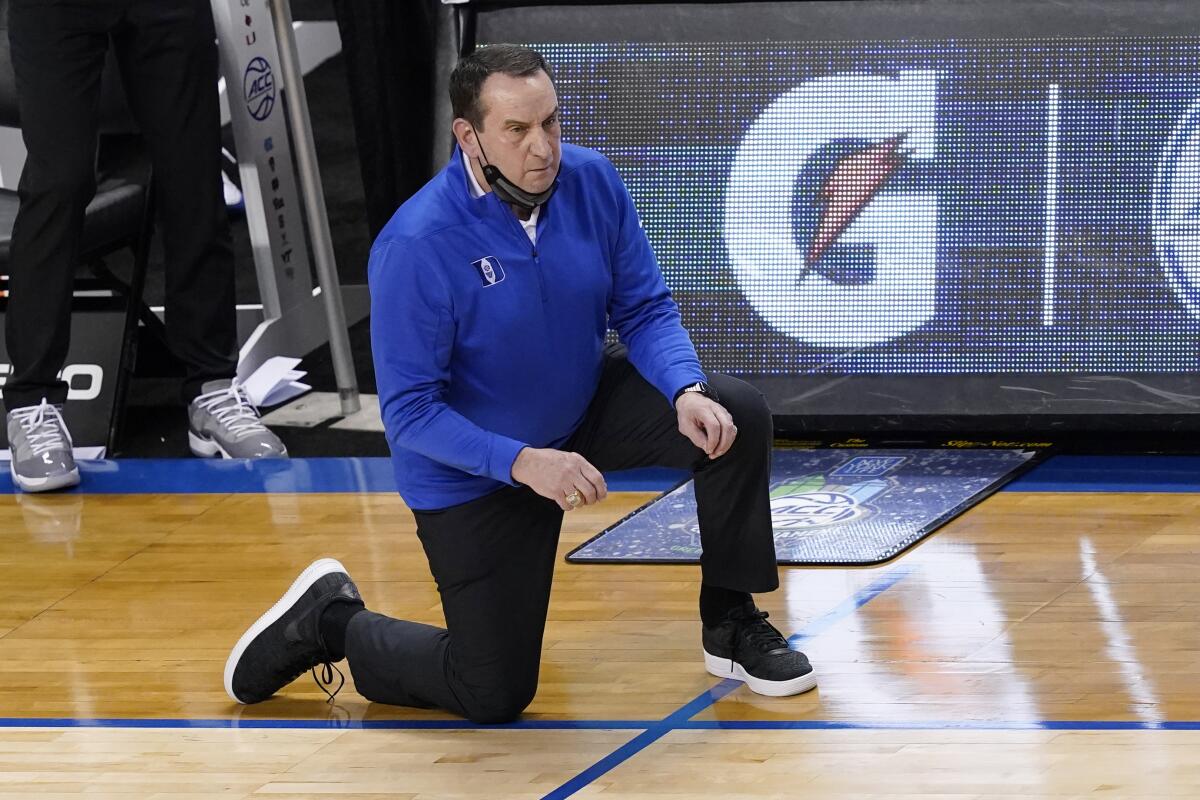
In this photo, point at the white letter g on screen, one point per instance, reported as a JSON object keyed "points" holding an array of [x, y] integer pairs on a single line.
{"points": [[900, 226]]}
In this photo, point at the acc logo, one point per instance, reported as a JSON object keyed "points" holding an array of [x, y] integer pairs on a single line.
{"points": [[796, 506], [88, 388], [898, 116], [258, 85], [1176, 210], [813, 510], [489, 269]]}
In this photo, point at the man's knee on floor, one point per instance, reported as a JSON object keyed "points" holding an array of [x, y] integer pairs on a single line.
{"points": [[498, 705]]}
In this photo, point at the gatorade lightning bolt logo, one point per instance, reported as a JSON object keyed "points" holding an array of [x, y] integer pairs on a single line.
{"points": [[854, 182]]}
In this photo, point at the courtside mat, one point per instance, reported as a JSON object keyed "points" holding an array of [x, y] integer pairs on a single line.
{"points": [[852, 507]]}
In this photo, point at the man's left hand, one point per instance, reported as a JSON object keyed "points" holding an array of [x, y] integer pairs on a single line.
{"points": [[706, 423]]}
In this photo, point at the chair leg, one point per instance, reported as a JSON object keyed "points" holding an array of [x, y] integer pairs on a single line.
{"points": [[133, 310]]}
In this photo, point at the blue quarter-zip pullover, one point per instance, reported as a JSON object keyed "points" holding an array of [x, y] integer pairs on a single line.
{"points": [[485, 344]]}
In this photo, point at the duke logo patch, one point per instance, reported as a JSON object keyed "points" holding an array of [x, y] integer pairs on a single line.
{"points": [[489, 270]]}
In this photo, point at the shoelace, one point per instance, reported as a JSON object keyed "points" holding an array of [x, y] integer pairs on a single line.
{"points": [[44, 427], [325, 679], [232, 409], [762, 634]]}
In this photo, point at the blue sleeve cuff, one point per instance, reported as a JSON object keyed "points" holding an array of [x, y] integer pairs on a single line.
{"points": [[676, 379], [503, 453]]}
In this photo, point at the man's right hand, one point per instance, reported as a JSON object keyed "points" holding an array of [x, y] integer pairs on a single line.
{"points": [[556, 475]]}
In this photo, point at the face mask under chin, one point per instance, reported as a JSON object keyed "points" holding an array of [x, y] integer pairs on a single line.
{"points": [[512, 194]]}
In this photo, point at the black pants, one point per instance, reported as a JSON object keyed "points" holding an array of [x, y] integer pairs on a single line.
{"points": [[168, 60], [493, 558]]}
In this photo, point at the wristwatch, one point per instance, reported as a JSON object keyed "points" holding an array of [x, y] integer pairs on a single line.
{"points": [[699, 387]]}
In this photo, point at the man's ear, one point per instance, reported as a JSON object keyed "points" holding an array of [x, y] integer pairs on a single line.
{"points": [[464, 132]]}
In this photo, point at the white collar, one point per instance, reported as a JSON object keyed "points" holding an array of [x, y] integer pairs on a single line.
{"points": [[476, 190], [529, 225]]}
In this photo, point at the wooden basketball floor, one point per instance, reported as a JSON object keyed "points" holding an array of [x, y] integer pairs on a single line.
{"points": [[1044, 644]]}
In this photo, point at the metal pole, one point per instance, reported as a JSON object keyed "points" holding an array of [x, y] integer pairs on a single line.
{"points": [[314, 207]]}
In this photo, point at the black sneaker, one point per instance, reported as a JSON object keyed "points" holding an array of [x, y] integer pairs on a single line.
{"points": [[286, 641], [747, 648]]}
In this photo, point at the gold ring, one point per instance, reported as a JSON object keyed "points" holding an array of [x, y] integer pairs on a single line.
{"points": [[573, 499]]}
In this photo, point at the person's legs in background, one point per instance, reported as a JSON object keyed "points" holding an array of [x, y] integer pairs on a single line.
{"points": [[168, 58], [58, 54]]}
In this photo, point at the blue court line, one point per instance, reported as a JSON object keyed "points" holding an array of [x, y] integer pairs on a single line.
{"points": [[323, 724], [292, 475], [851, 604], [1161, 474], [232, 476], [646, 479], [701, 702], [601, 724], [618, 756], [653, 732], [942, 725], [1064, 473]]}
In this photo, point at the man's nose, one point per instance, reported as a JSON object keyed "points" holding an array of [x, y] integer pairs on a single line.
{"points": [[539, 145]]}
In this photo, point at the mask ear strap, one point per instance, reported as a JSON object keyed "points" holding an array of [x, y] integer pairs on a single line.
{"points": [[478, 141]]}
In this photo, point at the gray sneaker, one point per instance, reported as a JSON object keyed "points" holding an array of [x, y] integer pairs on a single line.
{"points": [[222, 421], [41, 449]]}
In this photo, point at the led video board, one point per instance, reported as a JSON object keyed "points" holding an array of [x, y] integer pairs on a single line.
{"points": [[912, 207]]}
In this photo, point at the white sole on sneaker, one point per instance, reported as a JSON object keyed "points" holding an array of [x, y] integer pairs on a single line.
{"points": [[728, 668], [210, 448], [205, 448], [47, 484], [311, 574]]}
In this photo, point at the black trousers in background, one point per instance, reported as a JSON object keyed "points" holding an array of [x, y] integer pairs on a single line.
{"points": [[493, 558], [168, 61]]}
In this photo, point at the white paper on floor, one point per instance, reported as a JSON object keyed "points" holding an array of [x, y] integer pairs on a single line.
{"points": [[275, 382]]}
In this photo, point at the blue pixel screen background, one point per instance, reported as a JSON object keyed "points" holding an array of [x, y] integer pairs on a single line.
{"points": [[911, 207]]}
